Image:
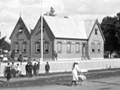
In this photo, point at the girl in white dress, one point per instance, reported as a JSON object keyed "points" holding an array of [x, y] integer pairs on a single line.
{"points": [[75, 70]]}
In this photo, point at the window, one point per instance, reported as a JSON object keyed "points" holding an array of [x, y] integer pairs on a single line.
{"points": [[37, 47], [93, 47], [98, 47], [77, 47], [16, 47], [20, 30], [68, 47], [96, 31], [46, 47], [24, 47], [84, 48], [59, 47]]}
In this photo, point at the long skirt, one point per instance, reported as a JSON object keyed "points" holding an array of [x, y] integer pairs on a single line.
{"points": [[8, 76]]}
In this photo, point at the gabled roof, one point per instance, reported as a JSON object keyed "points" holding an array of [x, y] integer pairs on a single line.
{"points": [[89, 26], [70, 28], [66, 28], [96, 22], [35, 30], [21, 22]]}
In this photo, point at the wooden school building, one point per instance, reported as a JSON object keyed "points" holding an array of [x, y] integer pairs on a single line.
{"points": [[69, 39]]}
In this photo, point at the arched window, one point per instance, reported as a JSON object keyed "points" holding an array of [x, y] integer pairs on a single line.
{"points": [[68, 47], [98, 47], [93, 47], [59, 47], [37, 47], [96, 31], [46, 47], [24, 47], [77, 47], [17, 47]]}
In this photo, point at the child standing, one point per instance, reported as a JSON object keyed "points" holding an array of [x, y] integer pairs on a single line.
{"points": [[47, 68], [7, 72]]}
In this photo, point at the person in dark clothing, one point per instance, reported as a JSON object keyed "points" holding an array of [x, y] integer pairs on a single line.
{"points": [[38, 67], [13, 71], [13, 54], [20, 58], [30, 68], [7, 72], [55, 55], [47, 68], [26, 68], [35, 69]]}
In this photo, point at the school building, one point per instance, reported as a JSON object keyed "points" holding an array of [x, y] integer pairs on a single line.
{"points": [[71, 39]]}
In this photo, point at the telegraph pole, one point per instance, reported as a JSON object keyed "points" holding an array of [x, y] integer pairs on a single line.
{"points": [[41, 59]]}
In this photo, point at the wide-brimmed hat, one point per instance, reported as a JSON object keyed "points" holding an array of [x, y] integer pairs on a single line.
{"points": [[76, 62]]}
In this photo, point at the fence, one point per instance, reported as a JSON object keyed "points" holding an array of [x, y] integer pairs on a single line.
{"points": [[65, 66]]}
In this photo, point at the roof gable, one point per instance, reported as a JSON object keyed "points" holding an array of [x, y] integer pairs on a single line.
{"points": [[34, 31], [97, 23], [22, 24], [89, 26]]}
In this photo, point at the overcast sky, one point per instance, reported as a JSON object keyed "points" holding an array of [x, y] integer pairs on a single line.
{"points": [[30, 11]]}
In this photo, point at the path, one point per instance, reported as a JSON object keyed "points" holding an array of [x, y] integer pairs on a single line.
{"points": [[112, 83]]}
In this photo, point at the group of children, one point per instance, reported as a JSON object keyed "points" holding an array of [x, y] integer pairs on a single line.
{"points": [[11, 71], [32, 69]]}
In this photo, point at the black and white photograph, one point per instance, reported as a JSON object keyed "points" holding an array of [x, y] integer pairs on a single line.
{"points": [[59, 44]]}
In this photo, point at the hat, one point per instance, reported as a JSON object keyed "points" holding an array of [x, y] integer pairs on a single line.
{"points": [[76, 62]]}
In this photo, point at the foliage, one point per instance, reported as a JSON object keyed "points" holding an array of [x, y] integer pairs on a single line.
{"points": [[4, 45], [51, 12], [111, 30]]}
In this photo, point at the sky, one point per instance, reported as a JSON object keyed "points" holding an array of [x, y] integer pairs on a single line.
{"points": [[30, 11]]}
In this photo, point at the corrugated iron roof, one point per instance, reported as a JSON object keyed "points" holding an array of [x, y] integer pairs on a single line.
{"points": [[88, 26], [69, 28]]}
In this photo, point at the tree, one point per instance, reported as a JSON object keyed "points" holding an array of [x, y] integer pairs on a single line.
{"points": [[111, 30], [4, 45], [51, 13]]}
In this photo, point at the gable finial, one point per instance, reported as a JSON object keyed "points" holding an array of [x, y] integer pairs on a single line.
{"points": [[20, 14]]}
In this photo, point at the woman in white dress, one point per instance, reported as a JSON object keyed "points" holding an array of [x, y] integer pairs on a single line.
{"points": [[75, 70]]}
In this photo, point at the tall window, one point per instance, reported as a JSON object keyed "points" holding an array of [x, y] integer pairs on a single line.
{"points": [[77, 47], [98, 47], [93, 47], [46, 47], [68, 47], [59, 47], [20, 30], [24, 47], [96, 31], [37, 47], [16, 47]]}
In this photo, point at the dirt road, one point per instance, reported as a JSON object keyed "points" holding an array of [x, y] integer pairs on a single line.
{"points": [[111, 83]]}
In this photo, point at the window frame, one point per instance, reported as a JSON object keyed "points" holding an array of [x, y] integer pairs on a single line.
{"points": [[17, 47], [37, 47], [96, 31], [24, 47], [93, 47], [77, 47], [46, 43], [68, 47], [59, 47], [98, 47]]}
